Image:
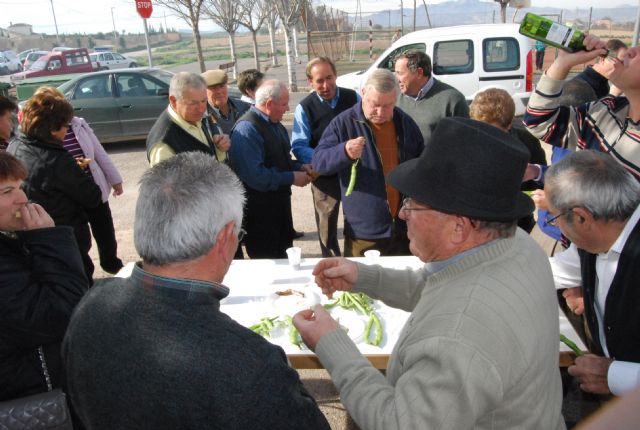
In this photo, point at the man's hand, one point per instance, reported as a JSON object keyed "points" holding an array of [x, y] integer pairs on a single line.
{"points": [[591, 372], [222, 142], [574, 299], [300, 179], [117, 189], [560, 68], [354, 147], [540, 199], [313, 324], [35, 217], [335, 274]]}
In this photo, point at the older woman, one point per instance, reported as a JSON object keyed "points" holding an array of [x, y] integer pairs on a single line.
{"points": [[54, 178], [41, 281]]}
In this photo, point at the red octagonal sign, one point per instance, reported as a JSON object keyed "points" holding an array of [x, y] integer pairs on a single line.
{"points": [[144, 8]]}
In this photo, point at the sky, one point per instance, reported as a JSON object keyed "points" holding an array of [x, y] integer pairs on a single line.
{"points": [[91, 16]]}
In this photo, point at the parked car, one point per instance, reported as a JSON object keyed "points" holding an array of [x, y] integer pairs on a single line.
{"points": [[119, 104], [471, 58], [22, 55], [110, 60], [32, 57], [10, 62], [58, 63], [61, 49]]}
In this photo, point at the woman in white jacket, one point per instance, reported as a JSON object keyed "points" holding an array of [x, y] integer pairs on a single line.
{"points": [[83, 144]]}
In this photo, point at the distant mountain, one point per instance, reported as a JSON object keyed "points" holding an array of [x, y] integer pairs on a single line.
{"points": [[459, 12]]}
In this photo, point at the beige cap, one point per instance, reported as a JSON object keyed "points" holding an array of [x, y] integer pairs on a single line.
{"points": [[214, 77]]}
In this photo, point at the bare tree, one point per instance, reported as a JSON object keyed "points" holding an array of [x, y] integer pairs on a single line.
{"points": [[272, 22], [290, 12], [503, 9], [254, 13], [226, 14], [189, 11]]}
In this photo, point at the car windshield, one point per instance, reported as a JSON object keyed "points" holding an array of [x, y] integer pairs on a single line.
{"points": [[40, 64], [163, 75]]}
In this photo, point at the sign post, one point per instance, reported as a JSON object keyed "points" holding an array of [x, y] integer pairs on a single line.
{"points": [[144, 8]]}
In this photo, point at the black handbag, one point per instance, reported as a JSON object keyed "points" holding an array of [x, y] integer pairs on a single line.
{"points": [[46, 410]]}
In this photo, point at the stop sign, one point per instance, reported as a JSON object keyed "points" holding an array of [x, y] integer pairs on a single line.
{"points": [[144, 8]]}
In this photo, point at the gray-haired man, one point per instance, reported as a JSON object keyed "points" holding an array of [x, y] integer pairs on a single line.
{"points": [[183, 126], [166, 357], [375, 136]]}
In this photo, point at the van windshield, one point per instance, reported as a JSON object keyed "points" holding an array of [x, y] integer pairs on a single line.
{"points": [[38, 65]]}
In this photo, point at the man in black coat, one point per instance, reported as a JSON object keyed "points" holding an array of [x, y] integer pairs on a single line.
{"points": [[183, 127], [154, 350]]}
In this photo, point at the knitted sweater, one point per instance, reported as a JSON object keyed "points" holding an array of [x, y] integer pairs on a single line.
{"points": [[602, 125], [441, 101], [480, 349]]}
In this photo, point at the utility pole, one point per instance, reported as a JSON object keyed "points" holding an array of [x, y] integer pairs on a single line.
{"points": [[414, 15], [401, 18], [55, 23], [636, 30], [115, 33]]}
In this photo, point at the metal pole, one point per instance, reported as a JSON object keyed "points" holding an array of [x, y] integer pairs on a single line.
{"points": [[55, 23], [414, 15], [115, 33], [146, 38], [401, 18], [636, 30]]}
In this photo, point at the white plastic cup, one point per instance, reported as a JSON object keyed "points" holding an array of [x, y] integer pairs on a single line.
{"points": [[295, 256], [372, 256]]}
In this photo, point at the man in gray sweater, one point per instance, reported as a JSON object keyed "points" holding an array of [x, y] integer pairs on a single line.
{"points": [[153, 351], [480, 349], [426, 99]]}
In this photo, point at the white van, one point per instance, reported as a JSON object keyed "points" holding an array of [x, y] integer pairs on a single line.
{"points": [[470, 58]]}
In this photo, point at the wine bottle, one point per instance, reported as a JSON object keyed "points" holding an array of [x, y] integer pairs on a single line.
{"points": [[553, 34]]}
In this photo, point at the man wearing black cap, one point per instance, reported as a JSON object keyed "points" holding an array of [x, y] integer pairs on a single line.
{"points": [[480, 349]]}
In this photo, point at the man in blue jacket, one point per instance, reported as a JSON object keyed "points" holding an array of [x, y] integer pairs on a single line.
{"points": [[362, 145]]}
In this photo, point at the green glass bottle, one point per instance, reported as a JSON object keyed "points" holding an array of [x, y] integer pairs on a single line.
{"points": [[553, 34]]}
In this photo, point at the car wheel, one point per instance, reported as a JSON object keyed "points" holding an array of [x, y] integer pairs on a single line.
{"points": [[132, 65]]}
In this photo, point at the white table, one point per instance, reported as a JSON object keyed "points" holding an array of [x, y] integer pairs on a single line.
{"points": [[253, 284]]}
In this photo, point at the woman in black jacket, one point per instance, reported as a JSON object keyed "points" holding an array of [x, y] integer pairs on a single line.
{"points": [[55, 180], [41, 281]]}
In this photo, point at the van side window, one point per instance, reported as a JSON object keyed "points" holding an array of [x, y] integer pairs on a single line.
{"points": [[453, 57], [389, 62], [500, 54]]}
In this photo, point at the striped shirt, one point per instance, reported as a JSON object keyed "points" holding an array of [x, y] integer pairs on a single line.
{"points": [[72, 146], [602, 125]]}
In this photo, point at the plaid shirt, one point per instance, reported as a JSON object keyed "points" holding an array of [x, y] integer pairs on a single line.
{"points": [[178, 289], [602, 125]]}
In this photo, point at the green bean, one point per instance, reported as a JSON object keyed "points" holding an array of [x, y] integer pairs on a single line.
{"points": [[294, 336], [352, 178], [378, 326], [571, 344], [367, 329]]}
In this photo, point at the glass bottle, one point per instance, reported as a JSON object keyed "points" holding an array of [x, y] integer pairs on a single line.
{"points": [[553, 34]]}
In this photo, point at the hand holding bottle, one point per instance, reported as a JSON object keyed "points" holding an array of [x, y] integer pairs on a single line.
{"points": [[566, 60]]}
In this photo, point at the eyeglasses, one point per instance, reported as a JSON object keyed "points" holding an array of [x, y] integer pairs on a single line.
{"points": [[553, 220], [241, 234], [405, 206]]}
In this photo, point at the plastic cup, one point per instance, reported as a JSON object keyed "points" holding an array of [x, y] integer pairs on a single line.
{"points": [[295, 255], [372, 256]]}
